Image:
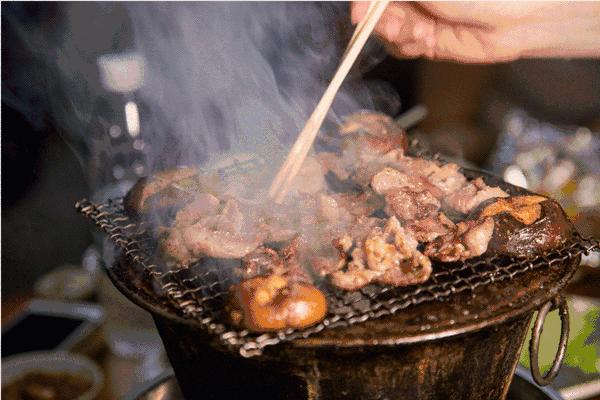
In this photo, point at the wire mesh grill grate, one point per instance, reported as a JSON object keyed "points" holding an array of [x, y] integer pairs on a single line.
{"points": [[199, 291]]}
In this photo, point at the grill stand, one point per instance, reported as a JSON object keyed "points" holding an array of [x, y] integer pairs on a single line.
{"points": [[458, 336], [478, 365], [465, 347]]}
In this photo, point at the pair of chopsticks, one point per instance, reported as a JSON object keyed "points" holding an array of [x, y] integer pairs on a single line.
{"points": [[284, 178]]}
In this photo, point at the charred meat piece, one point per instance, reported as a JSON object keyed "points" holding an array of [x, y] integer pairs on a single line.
{"points": [[445, 179], [165, 188], [293, 262], [373, 133], [388, 256], [347, 248], [408, 205], [285, 262], [330, 210], [359, 204], [203, 205], [409, 265], [388, 179], [473, 194], [200, 241], [200, 231], [273, 303], [310, 178], [334, 163], [427, 229], [525, 209], [526, 225], [470, 239], [353, 279], [368, 141], [261, 262]]}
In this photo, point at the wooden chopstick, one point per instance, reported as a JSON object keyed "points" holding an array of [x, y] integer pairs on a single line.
{"points": [[283, 180], [360, 27]]}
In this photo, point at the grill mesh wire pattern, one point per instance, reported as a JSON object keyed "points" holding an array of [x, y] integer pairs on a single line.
{"points": [[199, 292]]}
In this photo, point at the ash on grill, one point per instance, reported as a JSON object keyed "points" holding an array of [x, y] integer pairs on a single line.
{"points": [[200, 291]]}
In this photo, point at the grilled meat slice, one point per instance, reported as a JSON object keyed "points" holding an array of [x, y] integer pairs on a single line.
{"points": [[203, 205], [285, 262], [206, 230], [261, 262], [428, 229], [387, 256], [470, 239], [388, 179], [373, 133], [471, 195], [408, 205]]}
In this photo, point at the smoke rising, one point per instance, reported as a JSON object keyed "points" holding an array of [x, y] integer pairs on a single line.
{"points": [[217, 77], [239, 76]]}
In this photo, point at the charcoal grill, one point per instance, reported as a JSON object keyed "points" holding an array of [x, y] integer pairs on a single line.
{"points": [[459, 333]]}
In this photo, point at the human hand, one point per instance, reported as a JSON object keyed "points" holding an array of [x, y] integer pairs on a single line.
{"points": [[487, 32]]}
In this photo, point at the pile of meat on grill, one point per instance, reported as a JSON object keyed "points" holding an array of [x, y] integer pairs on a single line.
{"points": [[362, 212]]}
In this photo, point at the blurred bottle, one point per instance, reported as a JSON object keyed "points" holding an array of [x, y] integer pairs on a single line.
{"points": [[117, 160]]}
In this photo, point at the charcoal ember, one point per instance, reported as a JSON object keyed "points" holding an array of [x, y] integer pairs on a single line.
{"points": [[526, 225]]}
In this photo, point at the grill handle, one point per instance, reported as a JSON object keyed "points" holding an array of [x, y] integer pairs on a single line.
{"points": [[534, 344]]}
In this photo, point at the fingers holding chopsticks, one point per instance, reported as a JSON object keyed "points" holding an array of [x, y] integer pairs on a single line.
{"points": [[403, 29]]}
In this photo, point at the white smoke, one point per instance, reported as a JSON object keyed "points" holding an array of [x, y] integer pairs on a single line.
{"points": [[218, 75], [239, 76]]}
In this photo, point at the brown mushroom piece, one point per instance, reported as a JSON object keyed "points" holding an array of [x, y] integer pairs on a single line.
{"points": [[162, 189], [526, 225], [272, 303]]}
